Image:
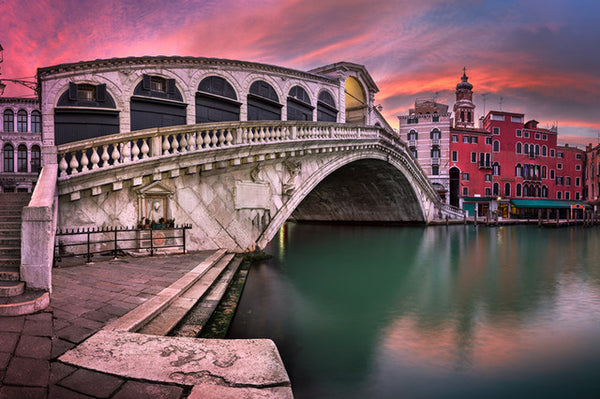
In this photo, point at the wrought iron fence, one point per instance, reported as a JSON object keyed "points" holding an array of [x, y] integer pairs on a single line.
{"points": [[116, 240]]}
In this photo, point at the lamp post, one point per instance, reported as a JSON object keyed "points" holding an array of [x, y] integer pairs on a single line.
{"points": [[30, 84]]}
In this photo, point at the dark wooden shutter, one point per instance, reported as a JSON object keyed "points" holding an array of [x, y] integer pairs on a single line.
{"points": [[146, 82], [72, 91], [101, 93], [170, 86]]}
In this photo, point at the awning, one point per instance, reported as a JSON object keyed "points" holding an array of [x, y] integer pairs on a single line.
{"points": [[478, 199], [548, 204]]}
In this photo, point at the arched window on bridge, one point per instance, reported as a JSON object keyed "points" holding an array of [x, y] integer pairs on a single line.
{"points": [[298, 105], [326, 110], [263, 102], [84, 111], [356, 102], [216, 101], [157, 102]]}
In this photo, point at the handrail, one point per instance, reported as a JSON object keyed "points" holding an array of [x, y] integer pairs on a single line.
{"points": [[101, 152]]}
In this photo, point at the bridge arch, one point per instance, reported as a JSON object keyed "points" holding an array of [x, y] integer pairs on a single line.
{"points": [[402, 175]]}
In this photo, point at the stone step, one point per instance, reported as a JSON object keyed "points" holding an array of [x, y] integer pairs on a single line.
{"points": [[166, 320], [11, 288], [8, 273], [196, 319], [28, 302]]}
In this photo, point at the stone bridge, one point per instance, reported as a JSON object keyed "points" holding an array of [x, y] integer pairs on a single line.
{"points": [[238, 182]]}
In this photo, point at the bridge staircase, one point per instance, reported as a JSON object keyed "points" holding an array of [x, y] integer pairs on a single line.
{"points": [[15, 298], [185, 307]]}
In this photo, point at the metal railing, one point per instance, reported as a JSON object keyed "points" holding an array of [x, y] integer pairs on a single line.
{"points": [[116, 240]]}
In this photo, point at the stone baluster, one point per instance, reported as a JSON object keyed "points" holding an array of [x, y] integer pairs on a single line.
{"points": [[221, 137], [74, 164], [175, 145], [84, 161], [229, 137], [105, 156], [166, 145], [62, 165], [214, 140], [126, 152], [206, 140], [145, 148], [135, 151], [250, 135], [95, 158], [115, 153], [192, 141]]}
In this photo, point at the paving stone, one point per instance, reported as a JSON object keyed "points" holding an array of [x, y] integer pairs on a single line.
{"points": [[92, 383], [41, 328], [114, 310], [59, 324], [4, 358], [11, 324], [91, 324], [99, 316], [59, 370], [34, 347], [41, 316], [60, 346], [58, 392], [9, 341], [74, 333], [135, 389], [209, 391], [27, 372], [10, 392]]}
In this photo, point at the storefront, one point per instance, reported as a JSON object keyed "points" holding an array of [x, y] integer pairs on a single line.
{"points": [[529, 208]]}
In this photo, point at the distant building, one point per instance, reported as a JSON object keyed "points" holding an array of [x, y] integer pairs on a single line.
{"points": [[592, 174], [426, 129], [21, 144], [504, 166]]}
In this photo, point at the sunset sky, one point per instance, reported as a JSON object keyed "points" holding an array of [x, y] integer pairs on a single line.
{"points": [[538, 57]]}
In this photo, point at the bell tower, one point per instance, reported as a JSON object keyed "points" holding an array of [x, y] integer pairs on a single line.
{"points": [[464, 109]]}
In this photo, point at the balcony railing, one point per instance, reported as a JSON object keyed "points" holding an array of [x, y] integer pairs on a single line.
{"points": [[435, 161], [412, 143], [485, 165], [435, 142]]}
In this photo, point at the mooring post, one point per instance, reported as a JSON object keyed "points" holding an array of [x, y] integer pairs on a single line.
{"points": [[475, 219], [539, 218]]}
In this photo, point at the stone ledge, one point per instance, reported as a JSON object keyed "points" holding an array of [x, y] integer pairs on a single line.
{"points": [[251, 363]]}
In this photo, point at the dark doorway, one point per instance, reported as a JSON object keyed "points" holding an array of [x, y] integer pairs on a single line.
{"points": [[454, 186]]}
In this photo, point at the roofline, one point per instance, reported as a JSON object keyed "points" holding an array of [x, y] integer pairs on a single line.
{"points": [[112, 63], [344, 65]]}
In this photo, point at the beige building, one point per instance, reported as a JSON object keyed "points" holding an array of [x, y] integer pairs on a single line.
{"points": [[426, 129]]}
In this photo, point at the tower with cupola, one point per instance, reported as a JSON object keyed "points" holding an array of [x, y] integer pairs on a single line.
{"points": [[464, 108]]}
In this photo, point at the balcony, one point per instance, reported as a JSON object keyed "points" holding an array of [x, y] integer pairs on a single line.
{"points": [[412, 143], [485, 165], [435, 142], [435, 161]]}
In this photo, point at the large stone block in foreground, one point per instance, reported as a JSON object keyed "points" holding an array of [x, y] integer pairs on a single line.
{"points": [[187, 361]]}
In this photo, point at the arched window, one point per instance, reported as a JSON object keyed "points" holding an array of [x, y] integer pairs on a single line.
{"points": [[84, 111], [36, 159], [326, 110], [22, 121], [216, 101], [263, 102], [496, 189], [544, 150], [519, 189], [545, 191], [22, 158], [157, 102], [518, 171], [496, 169], [298, 105], [435, 134], [413, 135], [9, 121], [526, 149], [9, 158], [507, 189], [537, 149], [36, 122], [496, 146], [519, 148], [544, 170], [526, 190]]}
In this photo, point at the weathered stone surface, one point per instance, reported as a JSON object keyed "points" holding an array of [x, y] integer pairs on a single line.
{"points": [[188, 361], [209, 391]]}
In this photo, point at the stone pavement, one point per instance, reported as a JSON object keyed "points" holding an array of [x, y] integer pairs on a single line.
{"points": [[84, 299]]}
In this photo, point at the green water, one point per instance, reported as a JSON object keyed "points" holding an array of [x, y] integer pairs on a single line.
{"points": [[430, 312]]}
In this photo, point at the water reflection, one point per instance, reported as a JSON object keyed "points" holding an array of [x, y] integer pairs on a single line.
{"points": [[430, 312]]}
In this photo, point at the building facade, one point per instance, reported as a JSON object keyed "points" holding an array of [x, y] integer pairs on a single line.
{"points": [[21, 144]]}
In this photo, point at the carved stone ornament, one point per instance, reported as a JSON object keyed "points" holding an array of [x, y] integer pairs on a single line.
{"points": [[294, 169], [154, 203]]}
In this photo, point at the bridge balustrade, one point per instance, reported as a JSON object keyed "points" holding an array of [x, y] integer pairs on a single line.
{"points": [[113, 150]]}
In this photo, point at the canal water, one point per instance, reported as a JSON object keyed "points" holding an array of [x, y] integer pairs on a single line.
{"points": [[430, 312]]}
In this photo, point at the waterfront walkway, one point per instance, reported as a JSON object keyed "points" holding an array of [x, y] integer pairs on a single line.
{"points": [[85, 299]]}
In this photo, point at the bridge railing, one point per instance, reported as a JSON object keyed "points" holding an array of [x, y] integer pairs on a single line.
{"points": [[113, 150]]}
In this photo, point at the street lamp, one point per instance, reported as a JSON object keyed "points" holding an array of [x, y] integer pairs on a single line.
{"points": [[30, 84]]}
